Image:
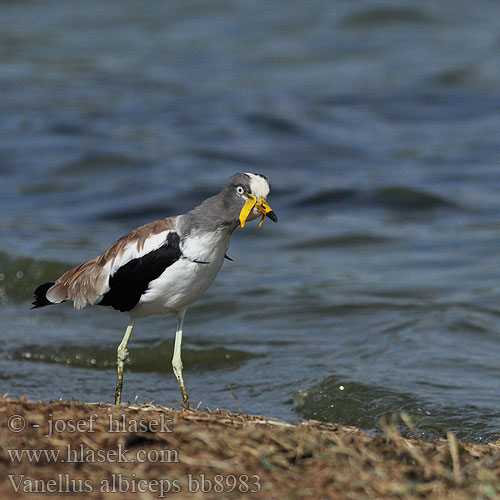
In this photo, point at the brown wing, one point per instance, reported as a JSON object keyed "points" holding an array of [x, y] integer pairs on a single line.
{"points": [[87, 282]]}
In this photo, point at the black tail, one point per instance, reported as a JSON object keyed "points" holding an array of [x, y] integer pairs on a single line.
{"points": [[40, 297]]}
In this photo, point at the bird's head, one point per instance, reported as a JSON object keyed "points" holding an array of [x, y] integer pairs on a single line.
{"points": [[247, 196]]}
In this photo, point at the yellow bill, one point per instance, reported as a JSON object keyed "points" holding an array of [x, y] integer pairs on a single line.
{"points": [[265, 209]]}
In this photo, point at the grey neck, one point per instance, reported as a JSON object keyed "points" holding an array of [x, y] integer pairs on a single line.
{"points": [[212, 215]]}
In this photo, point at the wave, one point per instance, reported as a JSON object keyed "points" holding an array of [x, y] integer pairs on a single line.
{"points": [[385, 15], [141, 359], [390, 197], [372, 408]]}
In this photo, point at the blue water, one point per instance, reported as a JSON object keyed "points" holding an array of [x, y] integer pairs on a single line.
{"points": [[378, 126]]}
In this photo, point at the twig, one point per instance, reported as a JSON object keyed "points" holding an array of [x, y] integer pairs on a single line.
{"points": [[235, 397]]}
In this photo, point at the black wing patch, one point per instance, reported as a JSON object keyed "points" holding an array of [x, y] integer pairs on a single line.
{"points": [[131, 280]]}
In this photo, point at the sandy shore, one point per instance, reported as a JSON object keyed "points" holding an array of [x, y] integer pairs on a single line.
{"points": [[70, 449]]}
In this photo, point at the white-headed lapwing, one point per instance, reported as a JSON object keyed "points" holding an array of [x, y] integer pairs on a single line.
{"points": [[164, 266]]}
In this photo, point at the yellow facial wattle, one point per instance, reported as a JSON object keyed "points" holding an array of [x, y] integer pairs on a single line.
{"points": [[261, 206], [247, 208]]}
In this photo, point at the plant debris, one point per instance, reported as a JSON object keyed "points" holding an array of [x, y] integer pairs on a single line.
{"points": [[70, 449]]}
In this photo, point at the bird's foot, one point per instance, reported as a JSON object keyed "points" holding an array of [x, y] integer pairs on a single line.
{"points": [[118, 393], [185, 399]]}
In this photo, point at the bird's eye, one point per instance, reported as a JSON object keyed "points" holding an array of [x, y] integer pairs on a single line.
{"points": [[240, 190]]}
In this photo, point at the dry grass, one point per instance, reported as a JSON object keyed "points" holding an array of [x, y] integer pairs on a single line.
{"points": [[310, 460]]}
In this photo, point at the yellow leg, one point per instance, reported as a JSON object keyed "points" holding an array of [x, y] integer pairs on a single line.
{"points": [[177, 361], [122, 355]]}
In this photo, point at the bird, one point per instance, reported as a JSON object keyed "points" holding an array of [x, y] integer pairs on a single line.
{"points": [[164, 266]]}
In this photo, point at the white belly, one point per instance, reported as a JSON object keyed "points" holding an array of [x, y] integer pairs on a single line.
{"points": [[183, 282]]}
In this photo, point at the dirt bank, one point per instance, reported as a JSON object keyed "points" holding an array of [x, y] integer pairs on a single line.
{"points": [[69, 449]]}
